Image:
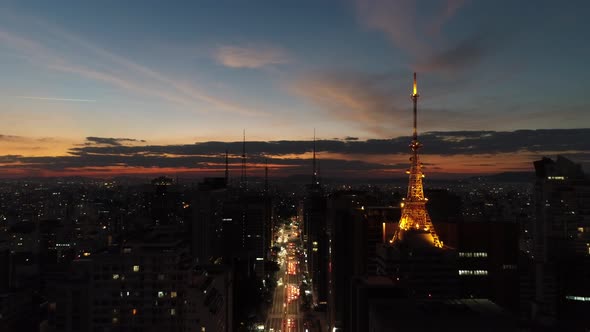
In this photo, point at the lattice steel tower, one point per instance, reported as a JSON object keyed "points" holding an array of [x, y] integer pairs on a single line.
{"points": [[415, 218]]}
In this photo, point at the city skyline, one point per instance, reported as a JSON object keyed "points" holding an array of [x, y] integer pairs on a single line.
{"points": [[167, 89]]}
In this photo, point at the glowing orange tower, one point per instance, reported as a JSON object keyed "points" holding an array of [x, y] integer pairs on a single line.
{"points": [[415, 219]]}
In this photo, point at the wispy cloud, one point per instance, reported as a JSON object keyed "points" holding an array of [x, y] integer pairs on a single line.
{"points": [[105, 66], [429, 49], [57, 99], [364, 100], [251, 56], [397, 19]]}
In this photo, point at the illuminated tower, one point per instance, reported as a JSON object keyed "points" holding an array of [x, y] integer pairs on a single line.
{"points": [[415, 218]]}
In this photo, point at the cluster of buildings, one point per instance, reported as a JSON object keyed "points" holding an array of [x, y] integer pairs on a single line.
{"points": [[158, 256], [100, 256], [492, 259]]}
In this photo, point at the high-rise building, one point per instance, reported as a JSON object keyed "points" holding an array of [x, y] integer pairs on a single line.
{"points": [[313, 210], [344, 210], [207, 220], [562, 244]]}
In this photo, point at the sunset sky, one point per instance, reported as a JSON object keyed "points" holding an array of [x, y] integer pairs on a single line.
{"points": [[103, 88]]}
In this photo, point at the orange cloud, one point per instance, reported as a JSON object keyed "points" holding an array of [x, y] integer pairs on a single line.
{"points": [[251, 56]]}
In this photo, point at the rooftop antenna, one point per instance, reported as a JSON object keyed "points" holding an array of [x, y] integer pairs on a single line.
{"points": [[314, 178], [243, 176], [266, 176], [226, 168]]}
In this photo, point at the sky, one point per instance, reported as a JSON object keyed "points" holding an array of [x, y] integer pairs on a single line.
{"points": [[165, 87]]}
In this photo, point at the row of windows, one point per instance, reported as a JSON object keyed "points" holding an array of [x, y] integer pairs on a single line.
{"points": [[578, 298], [473, 272], [473, 254]]}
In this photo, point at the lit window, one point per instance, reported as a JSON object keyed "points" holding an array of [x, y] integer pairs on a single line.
{"points": [[578, 298], [134, 311], [115, 320], [172, 312], [173, 294], [556, 177], [115, 276], [135, 268], [473, 272], [473, 254]]}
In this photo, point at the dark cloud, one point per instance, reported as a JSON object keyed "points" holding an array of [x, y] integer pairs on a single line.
{"points": [[288, 156], [366, 100], [111, 140], [10, 138]]}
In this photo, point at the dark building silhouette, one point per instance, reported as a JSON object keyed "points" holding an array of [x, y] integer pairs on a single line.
{"points": [[562, 244], [487, 262], [146, 284], [438, 315], [207, 225], [344, 218], [164, 202]]}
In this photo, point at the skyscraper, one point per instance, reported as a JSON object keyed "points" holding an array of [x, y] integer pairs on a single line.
{"points": [[562, 243]]}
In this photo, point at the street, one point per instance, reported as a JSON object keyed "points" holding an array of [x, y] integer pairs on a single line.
{"points": [[285, 314]]}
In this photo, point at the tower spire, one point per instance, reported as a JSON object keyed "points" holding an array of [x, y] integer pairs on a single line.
{"points": [[415, 96], [415, 217]]}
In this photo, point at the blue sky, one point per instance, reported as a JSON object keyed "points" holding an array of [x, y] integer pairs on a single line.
{"points": [[177, 72]]}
